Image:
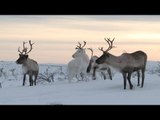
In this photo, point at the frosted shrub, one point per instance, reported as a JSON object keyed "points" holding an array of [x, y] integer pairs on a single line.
{"points": [[61, 74], [13, 73], [2, 73], [154, 70], [46, 76], [157, 70]]}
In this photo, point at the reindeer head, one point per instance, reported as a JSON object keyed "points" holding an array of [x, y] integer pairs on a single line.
{"points": [[105, 54], [23, 55], [80, 50]]}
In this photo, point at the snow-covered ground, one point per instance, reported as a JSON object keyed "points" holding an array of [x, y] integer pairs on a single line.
{"points": [[58, 91]]}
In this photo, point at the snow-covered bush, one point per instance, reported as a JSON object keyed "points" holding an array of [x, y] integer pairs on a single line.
{"points": [[157, 69], [154, 69], [51, 74], [13, 73], [2, 73]]}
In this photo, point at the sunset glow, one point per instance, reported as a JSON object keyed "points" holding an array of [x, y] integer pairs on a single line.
{"points": [[56, 36]]}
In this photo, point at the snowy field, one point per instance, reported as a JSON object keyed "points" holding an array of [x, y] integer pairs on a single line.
{"points": [[53, 88]]}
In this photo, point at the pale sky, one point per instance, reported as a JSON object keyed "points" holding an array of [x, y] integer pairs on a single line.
{"points": [[56, 36]]}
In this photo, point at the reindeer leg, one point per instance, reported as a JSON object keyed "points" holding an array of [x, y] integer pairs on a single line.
{"points": [[94, 73], [24, 78], [35, 79], [143, 75], [30, 80], [138, 78], [89, 67], [82, 76], [109, 72], [129, 80], [124, 78], [103, 75]]}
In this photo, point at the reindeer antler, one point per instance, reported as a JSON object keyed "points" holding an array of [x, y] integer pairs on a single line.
{"points": [[101, 49], [25, 48], [79, 46], [91, 51], [21, 52], [110, 43], [30, 46], [84, 44]]}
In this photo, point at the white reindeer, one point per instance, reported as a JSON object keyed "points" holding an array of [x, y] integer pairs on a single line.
{"points": [[78, 66]]}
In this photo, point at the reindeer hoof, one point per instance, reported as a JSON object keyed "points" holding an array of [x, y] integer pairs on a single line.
{"points": [[131, 87]]}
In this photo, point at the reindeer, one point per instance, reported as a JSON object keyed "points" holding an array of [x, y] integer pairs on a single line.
{"points": [[77, 66], [101, 67], [138, 73], [29, 66], [125, 63]]}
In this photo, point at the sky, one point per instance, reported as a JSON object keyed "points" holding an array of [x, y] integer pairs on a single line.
{"points": [[56, 36]]}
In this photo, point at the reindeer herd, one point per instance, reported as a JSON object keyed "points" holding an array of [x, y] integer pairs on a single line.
{"points": [[80, 66]]}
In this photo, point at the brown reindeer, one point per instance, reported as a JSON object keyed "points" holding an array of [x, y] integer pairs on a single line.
{"points": [[125, 63], [29, 66]]}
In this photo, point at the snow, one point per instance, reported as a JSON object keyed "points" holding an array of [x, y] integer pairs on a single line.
{"points": [[91, 92]]}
